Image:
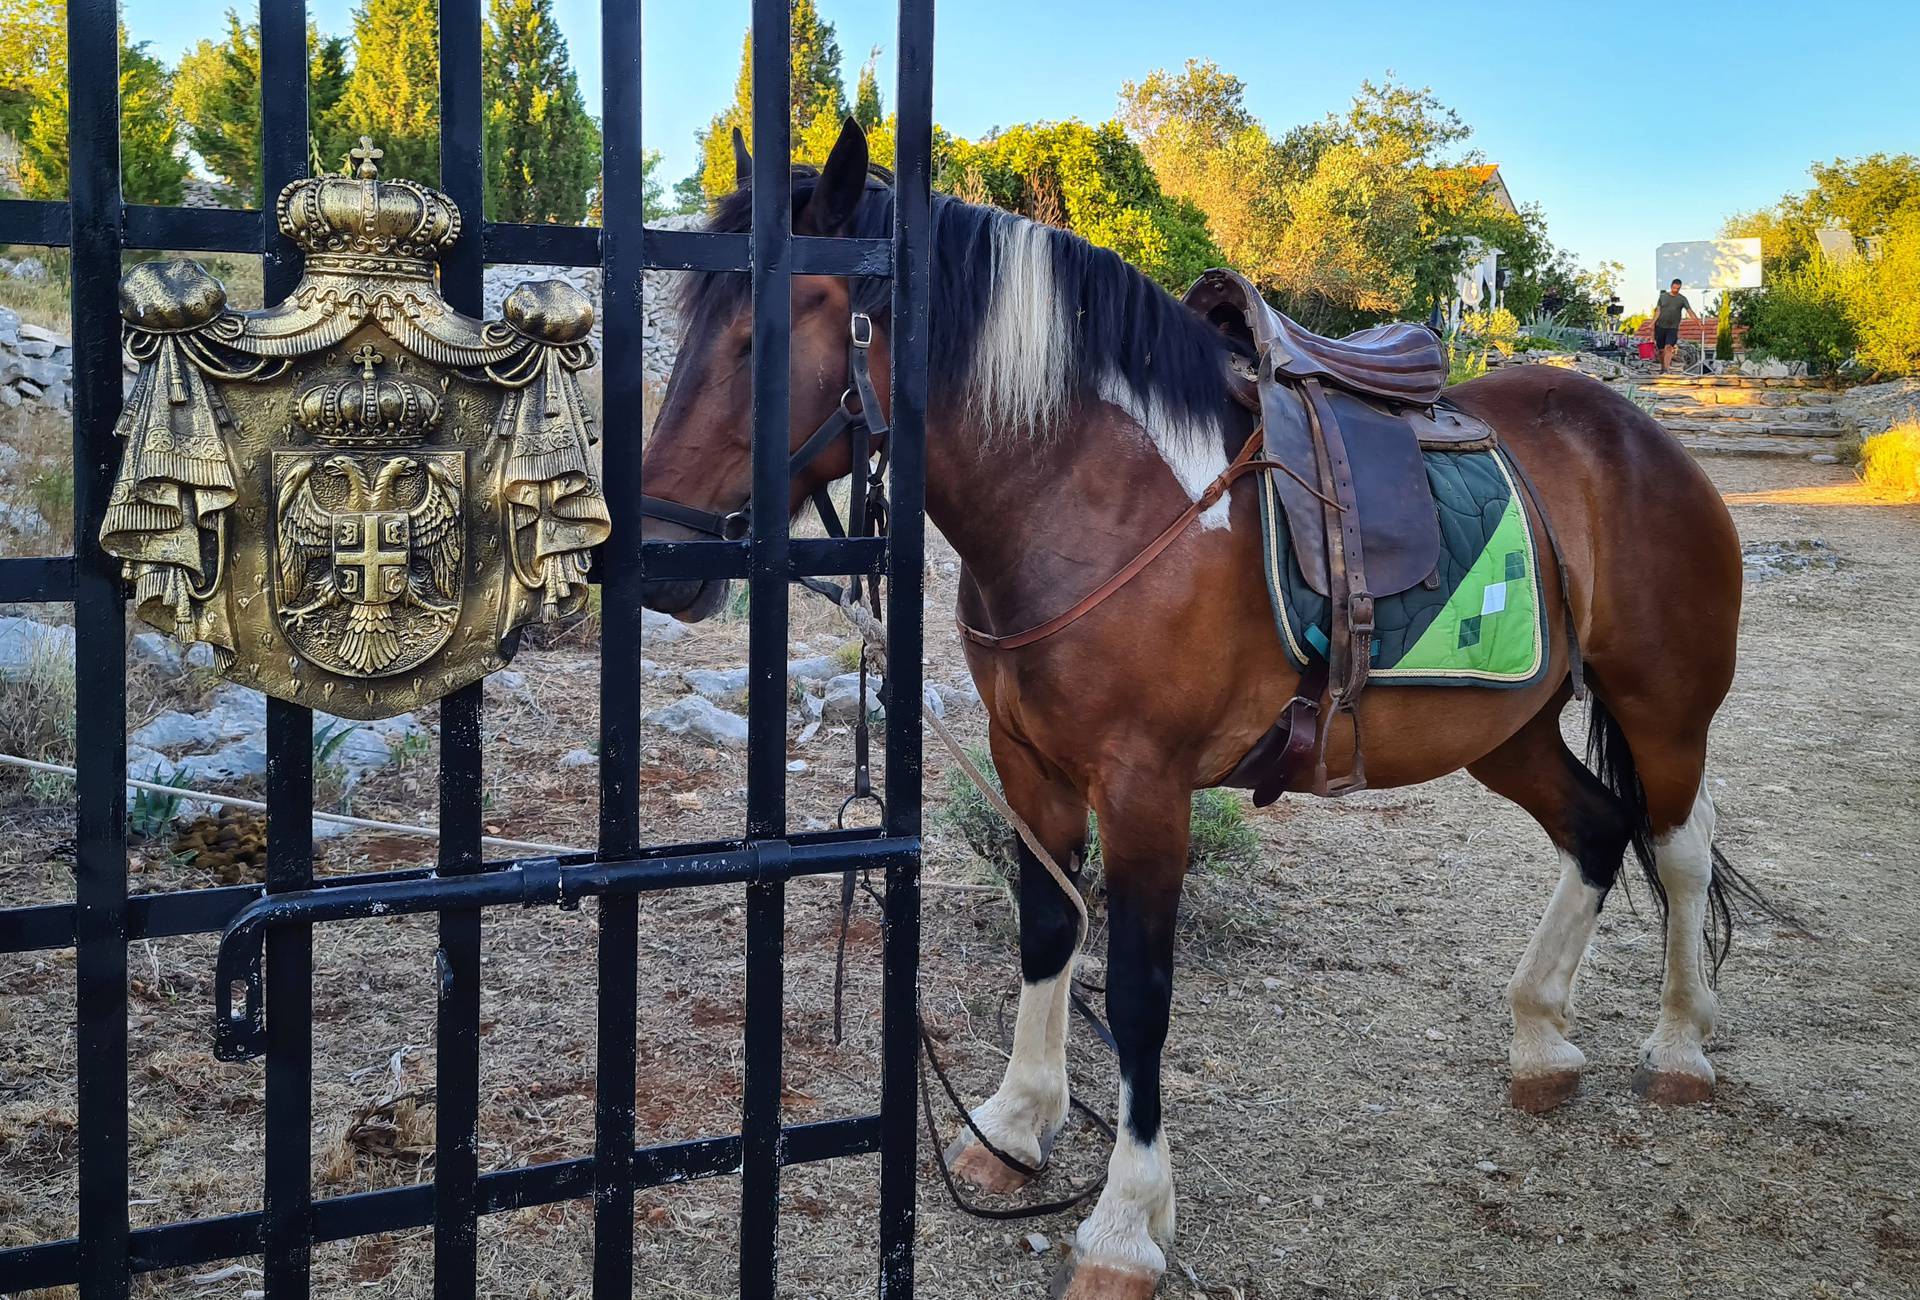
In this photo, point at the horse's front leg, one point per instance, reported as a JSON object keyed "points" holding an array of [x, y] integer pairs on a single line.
{"points": [[1025, 1115], [1118, 1252]]}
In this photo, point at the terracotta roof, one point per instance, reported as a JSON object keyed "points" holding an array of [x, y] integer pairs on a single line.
{"points": [[1485, 172]]}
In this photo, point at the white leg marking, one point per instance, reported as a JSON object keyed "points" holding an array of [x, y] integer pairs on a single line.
{"points": [[1688, 1006], [1134, 1218], [1023, 1116], [1541, 991], [1193, 449]]}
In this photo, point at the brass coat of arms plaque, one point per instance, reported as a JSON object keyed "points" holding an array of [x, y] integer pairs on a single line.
{"points": [[358, 495]]}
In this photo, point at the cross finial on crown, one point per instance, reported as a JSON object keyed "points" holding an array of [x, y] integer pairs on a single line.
{"points": [[368, 359], [367, 154]]}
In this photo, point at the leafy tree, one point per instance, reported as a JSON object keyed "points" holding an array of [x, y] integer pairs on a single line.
{"points": [[33, 105], [818, 101], [1863, 195], [1346, 221], [867, 109], [216, 95], [542, 148], [1091, 180], [393, 92], [1886, 303]]}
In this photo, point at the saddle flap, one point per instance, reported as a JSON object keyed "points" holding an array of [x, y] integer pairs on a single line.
{"points": [[1399, 526]]}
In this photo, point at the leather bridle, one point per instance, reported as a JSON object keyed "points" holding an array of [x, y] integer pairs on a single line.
{"points": [[862, 428]]}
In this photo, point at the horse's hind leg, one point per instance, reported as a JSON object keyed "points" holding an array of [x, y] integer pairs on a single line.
{"points": [[1663, 746], [1591, 828], [1026, 1113]]}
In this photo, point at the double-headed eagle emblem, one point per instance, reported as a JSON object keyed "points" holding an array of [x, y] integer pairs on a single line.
{"points": [[357, 495]]}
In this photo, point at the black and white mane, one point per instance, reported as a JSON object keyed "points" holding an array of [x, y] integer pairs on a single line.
{"points": [[1028, 321]]}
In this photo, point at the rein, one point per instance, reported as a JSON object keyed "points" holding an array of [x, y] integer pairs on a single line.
{"points": [[1247, 462]]}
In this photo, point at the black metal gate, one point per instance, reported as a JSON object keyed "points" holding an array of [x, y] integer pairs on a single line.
{"points": [[268, 945]]}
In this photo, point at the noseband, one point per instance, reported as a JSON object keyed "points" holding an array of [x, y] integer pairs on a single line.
{"points": [[860, 428]]}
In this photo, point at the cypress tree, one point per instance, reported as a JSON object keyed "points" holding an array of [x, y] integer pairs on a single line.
{"points": [[393, 93], [867, 110], [818, 101], [542, 147]]}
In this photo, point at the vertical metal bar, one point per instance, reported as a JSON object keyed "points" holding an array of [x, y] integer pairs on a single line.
{"points": [[623, 398], [288, 1228], [100, 832], [767, 647], [912, 290], [456, 1168]]}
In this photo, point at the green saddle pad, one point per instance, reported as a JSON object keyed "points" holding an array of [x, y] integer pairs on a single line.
{"points": [[1477, 622]]}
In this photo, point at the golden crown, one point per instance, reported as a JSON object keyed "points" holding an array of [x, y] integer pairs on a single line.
{"points": [[363, 216], [369, 411]]}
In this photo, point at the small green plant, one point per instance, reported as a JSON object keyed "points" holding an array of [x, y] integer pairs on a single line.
{"points": [[152, 813], [329, 776], [1220, 836], [1552, 332], [1890, 461], [739, 602], [52, 493], [409, 747], [847, 657], [1464, 363]]}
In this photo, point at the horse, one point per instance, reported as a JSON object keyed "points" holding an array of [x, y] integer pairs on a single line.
{"points": [[1074, 409]]}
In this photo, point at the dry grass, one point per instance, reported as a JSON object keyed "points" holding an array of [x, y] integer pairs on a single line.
{"points": [[37, 722], [1890, 461]]}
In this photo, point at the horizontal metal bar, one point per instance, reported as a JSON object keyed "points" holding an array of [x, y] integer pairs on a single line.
{"points": [[192, 230], [34, 221], [542, 245], [44, 926], [706, 250], [813, 255], [809, 557], [29, 579], [392, 1209], [240, 1033]]}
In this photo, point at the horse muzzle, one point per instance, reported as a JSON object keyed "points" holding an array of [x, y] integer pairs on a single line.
{"points": [[687, 599]]}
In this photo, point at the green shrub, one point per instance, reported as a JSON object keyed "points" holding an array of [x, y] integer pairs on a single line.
{"points": [[1803, 315], [1220, 835], [1723, 337], [1886, 302], [1464, 363], [1890, 461]]}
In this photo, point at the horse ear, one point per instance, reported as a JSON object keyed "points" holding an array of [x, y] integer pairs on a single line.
{"points": [[842, 181], [742, 160]]}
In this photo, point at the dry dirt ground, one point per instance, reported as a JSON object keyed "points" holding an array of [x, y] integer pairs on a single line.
{"points": [[1336, 1075]]}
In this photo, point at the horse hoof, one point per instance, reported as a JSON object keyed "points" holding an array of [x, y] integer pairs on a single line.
{"points": [[1669, 1088], [1074, 1281], [981, 1169], [1539, 1093]]}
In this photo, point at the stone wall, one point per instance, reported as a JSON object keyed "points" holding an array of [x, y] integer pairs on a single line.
{"points": [[36, 365]]}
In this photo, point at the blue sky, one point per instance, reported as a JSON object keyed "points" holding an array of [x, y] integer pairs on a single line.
{"points": [[1631, 123]]}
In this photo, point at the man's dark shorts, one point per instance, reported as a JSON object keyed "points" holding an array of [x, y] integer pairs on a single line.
{"points": [[1665, 336]]}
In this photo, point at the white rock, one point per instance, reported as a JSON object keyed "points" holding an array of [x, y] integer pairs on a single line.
{"points": [[34, 348], [659, 629], [508, 686], [721, 685], [578, 758], [30, 269], [797, 766], [1037, 1242], [930, 694], [200, 655], [817, 668], [842, 701], [22, 521], [697, 716], [23, 642], [9, 328], [157, 649]]}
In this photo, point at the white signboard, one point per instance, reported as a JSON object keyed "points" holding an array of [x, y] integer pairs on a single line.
{"points": [[1837, 243], [1708, 267]]}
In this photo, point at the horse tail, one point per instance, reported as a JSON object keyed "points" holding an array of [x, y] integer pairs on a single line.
{"points": [[1611, 759]]}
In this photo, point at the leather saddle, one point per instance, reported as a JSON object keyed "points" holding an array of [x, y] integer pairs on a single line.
{"points": [[1351, 419]]}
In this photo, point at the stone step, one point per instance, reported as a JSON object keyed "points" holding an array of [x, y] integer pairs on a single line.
{"points": [[1726, 381], [1825, 415], [1736, 397], [1756, 429], [1705, 444]]}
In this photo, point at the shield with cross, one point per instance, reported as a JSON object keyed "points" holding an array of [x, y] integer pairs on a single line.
{"points": [[357, 495]]}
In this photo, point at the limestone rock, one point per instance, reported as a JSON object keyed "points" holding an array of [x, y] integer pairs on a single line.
{"points": [[24, 642], [697, 716], [157, 649], [723, 686], [842, 701]]}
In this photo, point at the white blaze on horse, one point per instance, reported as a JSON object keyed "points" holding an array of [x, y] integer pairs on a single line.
{"points": [[1076, 409]]}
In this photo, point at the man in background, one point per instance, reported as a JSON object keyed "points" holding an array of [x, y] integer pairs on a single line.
{"points": [[1666, 322]]}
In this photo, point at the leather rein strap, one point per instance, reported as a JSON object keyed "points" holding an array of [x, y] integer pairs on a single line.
{"points": [[1247, 462]]}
